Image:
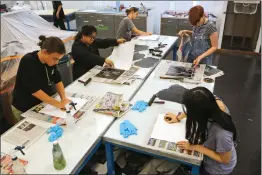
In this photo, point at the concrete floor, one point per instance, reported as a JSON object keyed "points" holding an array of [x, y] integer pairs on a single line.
{"points": [[240, 88]]}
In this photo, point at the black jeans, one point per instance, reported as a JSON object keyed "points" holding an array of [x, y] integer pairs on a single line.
{"points": [[59, 22]]}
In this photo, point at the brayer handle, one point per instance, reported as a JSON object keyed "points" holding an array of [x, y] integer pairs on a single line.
{"points": [[152, 100]]}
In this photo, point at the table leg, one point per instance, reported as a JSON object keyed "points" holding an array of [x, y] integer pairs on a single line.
{"points": [[174, 52], [195, 170], [68, 23], [110, 159]]}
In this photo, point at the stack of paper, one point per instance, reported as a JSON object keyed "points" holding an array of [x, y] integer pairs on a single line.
{"points": [[112, 104], [169, 132]]}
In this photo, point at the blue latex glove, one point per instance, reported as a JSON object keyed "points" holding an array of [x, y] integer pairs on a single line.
{"points": [[131, 127], [127, 129], [140, 106], [56, 132], [53, 136], [122, 128]]}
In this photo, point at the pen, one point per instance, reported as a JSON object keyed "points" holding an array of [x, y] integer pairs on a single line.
{"points": [[172, 78], [81, 81], [159, 102]]}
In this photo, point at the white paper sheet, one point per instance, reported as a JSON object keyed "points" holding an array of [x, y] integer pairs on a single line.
{"points": [[150, 37], [53, 111], [169, 132], [122, 55]]}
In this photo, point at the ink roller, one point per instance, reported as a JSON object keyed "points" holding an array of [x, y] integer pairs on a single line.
{"points": [[152, 100]]}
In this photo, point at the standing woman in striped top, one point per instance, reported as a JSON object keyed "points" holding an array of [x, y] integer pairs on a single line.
{"points": [[204, 37], [126, 26]]}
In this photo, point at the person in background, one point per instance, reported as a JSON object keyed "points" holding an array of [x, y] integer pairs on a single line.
{"points": [[36, 72], [209, 130], [85, 50], [204, 37], [58, 15], [126, 26]]}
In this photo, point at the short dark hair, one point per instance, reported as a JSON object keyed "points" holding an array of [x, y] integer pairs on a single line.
{"points": [[52, 44], [195, 14], [132, 9], [86, 31]]}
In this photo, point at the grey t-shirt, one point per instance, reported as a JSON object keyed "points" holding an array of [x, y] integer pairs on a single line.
{"points": [[220, 140], [125, 29]]}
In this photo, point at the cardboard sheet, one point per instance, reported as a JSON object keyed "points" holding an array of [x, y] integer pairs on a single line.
{"points": [[169, 132]]}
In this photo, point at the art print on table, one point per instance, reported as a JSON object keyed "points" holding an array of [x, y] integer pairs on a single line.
{"points": [[110, 73], [180, 71]]}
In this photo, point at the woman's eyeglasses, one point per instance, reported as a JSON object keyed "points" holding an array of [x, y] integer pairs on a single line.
{"points": [[92, 37]]}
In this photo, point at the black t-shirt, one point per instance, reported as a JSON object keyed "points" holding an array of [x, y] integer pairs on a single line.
{"points": [[56, 4], [32, 76]]}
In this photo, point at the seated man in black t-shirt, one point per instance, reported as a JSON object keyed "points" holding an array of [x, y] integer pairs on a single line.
{"points": [[58, 15], [36, 72]]}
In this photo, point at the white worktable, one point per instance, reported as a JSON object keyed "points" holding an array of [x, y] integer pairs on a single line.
{"points": [[145, 121], [169, 40], [79, 144], [50, 12]]}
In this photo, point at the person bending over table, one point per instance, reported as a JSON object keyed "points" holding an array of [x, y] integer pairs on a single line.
{"points": [[126, 26], [209, 130], [85, 50], [204, 37], [36, 72]]}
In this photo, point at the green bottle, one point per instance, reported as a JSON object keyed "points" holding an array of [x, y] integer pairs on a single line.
{"points": [[58, 157]]}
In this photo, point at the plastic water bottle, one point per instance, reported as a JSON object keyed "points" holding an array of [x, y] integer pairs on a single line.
{"points": [[70, 121], [58, 157], [18, 167]]}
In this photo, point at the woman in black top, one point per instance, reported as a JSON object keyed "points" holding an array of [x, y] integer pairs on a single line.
{"points": [[58, 15], [37, 70], [85, 50]]}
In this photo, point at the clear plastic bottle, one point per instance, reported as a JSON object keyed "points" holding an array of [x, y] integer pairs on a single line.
{"points": [[70, 121], [18, 167], [58, 157]]}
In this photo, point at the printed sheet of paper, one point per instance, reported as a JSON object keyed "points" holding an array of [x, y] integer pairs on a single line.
{"points": [[175, 69], [112, 75], [122, 55], [6, 163], [53, 111], [89, 99], [25, 134], [150, 37], [169, 132]]}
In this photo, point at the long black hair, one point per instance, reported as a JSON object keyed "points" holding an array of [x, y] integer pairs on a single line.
{"points": [[132, 9], [201, 107], [52, 44], [86, 30]]}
